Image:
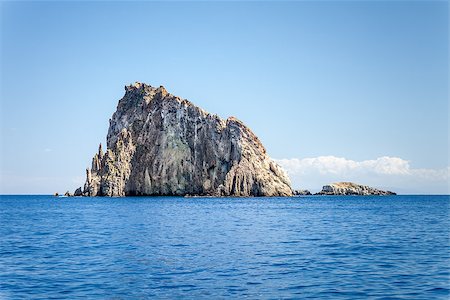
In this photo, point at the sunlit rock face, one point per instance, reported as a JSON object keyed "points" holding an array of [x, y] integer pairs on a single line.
{"points": [[161, 144], [350, 188]]}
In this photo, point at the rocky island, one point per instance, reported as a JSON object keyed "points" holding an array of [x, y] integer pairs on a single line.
{"points": [[301, 193], [350, 188], [161, 144]]}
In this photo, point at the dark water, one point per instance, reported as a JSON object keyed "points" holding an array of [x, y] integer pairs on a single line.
{"points": [[308, 247]]}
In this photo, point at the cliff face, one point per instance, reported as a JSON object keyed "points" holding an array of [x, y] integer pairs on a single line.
{"points": [[160, 144], [349, 188]]}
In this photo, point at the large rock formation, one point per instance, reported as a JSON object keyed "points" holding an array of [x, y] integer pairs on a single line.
{"points": [[349, 188], [160, 144]]}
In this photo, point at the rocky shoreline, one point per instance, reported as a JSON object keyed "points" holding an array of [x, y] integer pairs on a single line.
{"points": [[334, 189]]}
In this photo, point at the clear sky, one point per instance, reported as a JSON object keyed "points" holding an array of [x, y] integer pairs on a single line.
{"points": [[335, 90]]}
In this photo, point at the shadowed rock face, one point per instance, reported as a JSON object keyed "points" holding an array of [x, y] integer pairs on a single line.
{"points": [[160, 144], [349, 188]]}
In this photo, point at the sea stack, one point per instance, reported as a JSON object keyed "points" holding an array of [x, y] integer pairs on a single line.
{"points": [[350, 188], [161, 144]]}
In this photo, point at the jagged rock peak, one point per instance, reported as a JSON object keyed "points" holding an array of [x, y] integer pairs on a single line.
{"points": [[100, 151], [140, 88], [161, 144]]}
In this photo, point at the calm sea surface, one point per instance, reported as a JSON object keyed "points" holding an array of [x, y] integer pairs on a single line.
{"points": [[258, 248]]}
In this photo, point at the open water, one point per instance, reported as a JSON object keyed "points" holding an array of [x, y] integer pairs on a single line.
{"points": [[314, 247]]}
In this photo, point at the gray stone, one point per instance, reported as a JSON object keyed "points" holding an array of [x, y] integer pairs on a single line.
{"points": [[349, 188], [78, 192], [160, 144], [302, 192]]}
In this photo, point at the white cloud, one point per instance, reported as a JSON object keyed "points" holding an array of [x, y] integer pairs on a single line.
{"points": [[384, 172]]}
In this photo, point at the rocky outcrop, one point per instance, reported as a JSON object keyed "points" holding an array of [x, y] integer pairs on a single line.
{"points": [[349, 188], [78, 192], [161, 144], [302, 192]]}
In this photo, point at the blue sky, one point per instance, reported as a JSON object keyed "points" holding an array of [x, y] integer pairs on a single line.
{"points": [[353, 80]]}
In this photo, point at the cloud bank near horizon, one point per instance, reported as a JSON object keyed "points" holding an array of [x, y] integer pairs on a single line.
{"points": [[392, 173]]}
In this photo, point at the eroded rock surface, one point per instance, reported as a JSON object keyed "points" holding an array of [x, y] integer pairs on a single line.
{"points": [[78, 192], [161, 144], [349, 188], [302, 193]]}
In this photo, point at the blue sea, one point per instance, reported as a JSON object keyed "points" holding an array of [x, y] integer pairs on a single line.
{"points": [[316, 247]]}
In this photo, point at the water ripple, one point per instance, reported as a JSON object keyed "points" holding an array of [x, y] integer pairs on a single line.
{"points": [[213, 248]]}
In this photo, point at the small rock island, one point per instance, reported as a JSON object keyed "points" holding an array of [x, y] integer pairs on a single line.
{"points": [[302, 193], [160, 144], [350, 188]]}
